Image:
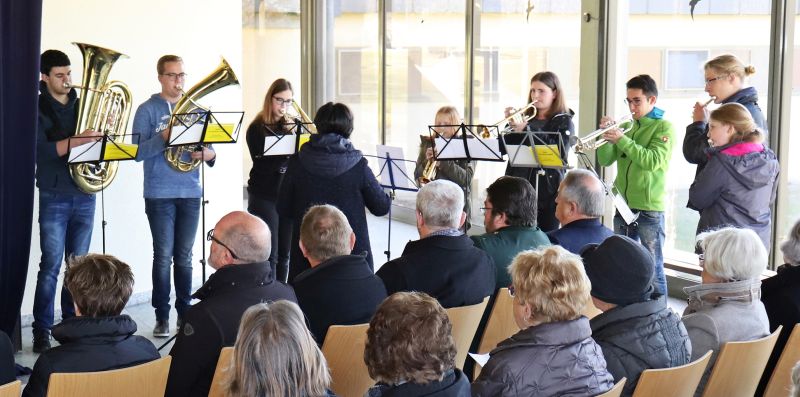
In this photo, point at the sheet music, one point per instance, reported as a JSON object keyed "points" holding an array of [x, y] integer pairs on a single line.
{"points": [[452, 149], [280, 145], [623, 209], [481, 359], [186, 135], [402, 179], [87, 152], [521, 155], [484, 149]]}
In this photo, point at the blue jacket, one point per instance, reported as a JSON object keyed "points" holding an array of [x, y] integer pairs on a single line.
{"points": [[160, 179], [575, 235]]}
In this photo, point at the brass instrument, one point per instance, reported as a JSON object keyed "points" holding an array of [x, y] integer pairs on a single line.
{"points": [[429, 172], [595, 139], [220, 77], [102, 106], [299, 115]]}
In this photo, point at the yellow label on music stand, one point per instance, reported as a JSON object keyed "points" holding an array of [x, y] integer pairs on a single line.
{"points": [[120, 151], [219, 133], [549, 155], [303, 139]]}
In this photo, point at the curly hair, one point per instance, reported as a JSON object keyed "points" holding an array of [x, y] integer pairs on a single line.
{"points": [[552, 281], [409, 339]]}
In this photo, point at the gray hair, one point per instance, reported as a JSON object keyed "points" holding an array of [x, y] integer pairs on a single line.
{"points": [[796, 380], [584, 189], [325, 232], [440, 203], [733, 253], [250, 240], [791, 247]]}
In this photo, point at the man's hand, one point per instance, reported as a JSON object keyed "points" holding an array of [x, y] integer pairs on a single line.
{"points": [[700, 113], [206, 154], [613, 135], [429, 154]]}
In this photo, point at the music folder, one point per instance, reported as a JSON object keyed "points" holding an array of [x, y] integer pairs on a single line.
{"points": [[206, 127], [283, 142], [105, 148], [526, 149]]}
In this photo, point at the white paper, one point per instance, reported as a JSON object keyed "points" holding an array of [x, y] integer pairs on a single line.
{"points": [[402, 179], [280, 145], [520, 156], [183, 136], [479, 149], [481, 359], [453, 149], [623, 209], [87, 152]]}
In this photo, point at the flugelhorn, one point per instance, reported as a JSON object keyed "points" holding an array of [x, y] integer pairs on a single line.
{"points": [[594, 139]]}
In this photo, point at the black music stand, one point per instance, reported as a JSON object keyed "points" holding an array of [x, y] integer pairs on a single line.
{"points": [[393, 176], [528, 149], [466, 143], [282, 141], [103, 150]]}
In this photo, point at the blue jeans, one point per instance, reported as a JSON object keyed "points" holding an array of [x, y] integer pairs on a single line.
{"points": [[173, 225], [65, 230], [649, 230]]}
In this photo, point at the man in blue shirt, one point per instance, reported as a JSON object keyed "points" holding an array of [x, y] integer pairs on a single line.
{"points": [[579, 206]]}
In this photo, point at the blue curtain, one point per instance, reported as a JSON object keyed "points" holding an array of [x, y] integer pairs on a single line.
{"points": [[20, 39]]}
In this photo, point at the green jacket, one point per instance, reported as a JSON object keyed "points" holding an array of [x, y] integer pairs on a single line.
{"points": [[643, 156], [504, 244]]}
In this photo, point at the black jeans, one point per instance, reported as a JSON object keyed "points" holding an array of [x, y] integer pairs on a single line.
{"points": [[281, 229]]}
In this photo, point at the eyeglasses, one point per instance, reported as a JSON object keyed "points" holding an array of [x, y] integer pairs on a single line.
{"points": [[484, 209], [634, 101], [175, 76], [210, 237], [702, 259], [511, 290], [283, 102], [713, 79]]}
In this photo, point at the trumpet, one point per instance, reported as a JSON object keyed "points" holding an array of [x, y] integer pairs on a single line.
{"points": [[594, 139], [518, 116]]}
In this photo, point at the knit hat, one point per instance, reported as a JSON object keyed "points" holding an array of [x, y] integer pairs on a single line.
{"points": [[620, 269]]}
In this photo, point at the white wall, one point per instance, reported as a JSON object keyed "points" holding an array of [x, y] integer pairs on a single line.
{"points": [[200, 31]]}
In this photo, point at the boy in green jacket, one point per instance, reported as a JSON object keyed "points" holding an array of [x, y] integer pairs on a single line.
{"points": [[642, 155]]}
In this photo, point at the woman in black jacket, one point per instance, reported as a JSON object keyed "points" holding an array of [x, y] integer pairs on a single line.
{"points": [[268, 171], [552, 115], [329, 170]]}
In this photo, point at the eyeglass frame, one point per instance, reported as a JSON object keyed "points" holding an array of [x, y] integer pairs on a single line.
{"points": [[283, 102], [484, 209], [713, 79], [210, 237], [175, 76]]}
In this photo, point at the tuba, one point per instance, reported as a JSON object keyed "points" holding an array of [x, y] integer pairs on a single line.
{"points": [[103, 107], [222, 76]]}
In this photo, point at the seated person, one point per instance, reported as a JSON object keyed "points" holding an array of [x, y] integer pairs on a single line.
{"points": [[410, 349], [555, 339], [339, 288], [732, 260], [637, 331], [509, 215], [99, 337], [275, 355], [240, 246], [443, 263], [579, 205], [8, 372]]}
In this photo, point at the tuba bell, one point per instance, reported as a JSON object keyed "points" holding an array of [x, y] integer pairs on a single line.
{"points": [[179, 157], [103, 107]]}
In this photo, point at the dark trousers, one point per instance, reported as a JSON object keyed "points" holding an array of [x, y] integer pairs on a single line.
{"points": [[281, 230]]}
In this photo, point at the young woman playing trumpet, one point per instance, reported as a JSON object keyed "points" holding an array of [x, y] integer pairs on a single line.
{"points": [[552, 115]]}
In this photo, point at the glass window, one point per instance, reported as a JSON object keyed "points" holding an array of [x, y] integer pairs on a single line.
{"points": [[682, 67]]}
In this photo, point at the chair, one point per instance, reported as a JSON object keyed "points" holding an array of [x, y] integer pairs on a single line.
{"points": [[144, 380], [615, 391], [679, 381], [739, 367], [11, 389], [344, 350], [225, 358], [780, 382], [500, 326], [590, 310], [465, 321]]}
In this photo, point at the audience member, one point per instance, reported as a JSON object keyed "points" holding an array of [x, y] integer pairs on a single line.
{"points": [[637, 331], [275, 355], [796, 380], [579, 205], [339, 288], [8, 372], [443, 263], [410, 349], [550, 290], [240, 246], [726, 306], [99, 337], [509, 215]]}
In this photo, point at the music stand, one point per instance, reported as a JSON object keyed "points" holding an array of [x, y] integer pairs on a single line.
{"points": [[103, 150], [466, 145], [198, 129], [528, 149], [394, 176], [280, 142]]}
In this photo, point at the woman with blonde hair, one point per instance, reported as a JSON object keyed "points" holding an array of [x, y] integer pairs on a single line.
{"points": [[550, 290], [739, 182], [275, 355], [725, 78]]}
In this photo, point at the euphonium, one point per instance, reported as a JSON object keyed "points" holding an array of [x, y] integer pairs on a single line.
{"points": [[594, 139], [301, 115], [222, 76], [103, 107]]}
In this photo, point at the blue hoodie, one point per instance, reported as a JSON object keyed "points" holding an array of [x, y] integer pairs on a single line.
{"points": [[160, 179]]}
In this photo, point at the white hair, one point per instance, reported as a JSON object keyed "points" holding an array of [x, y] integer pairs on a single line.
{"points": [[791, 247], [796, 380], [733, 254], [440, 203]]}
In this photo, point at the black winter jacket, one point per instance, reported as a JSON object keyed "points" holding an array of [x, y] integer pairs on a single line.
{"points": [[90, 344], [342, 290], [213, 323], [454, 384], [8, 372], [641, 336], [329, 170], [268, 171], [551, 359]]}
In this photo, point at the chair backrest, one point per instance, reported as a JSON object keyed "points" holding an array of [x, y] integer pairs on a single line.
{"points": [[679, 381], [739, 367], [144, 380], [224, 361], [615, 391], [11, 389], [590, 310], [500, 325], [780, 382], [344, 350], [465, 321]]}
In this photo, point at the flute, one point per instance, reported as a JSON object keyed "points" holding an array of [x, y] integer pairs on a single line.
{"points": [[708, 102]]}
